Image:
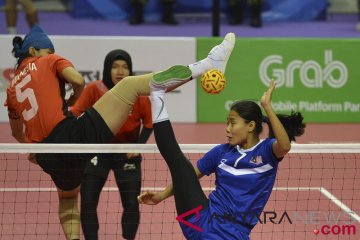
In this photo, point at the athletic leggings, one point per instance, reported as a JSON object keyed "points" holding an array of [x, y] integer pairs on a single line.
{"points": [[129, 188], [188, 193]]}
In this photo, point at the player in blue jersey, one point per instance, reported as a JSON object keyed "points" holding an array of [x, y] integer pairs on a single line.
{"points": [[245, 169]]}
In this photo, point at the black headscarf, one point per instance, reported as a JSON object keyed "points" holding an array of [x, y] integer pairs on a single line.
{"points": [[112, 56]]}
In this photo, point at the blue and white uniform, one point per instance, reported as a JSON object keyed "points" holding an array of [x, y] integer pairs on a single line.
{"points": [[244, 181]]}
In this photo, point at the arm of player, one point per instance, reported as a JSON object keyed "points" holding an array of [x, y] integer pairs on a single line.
{"points": [[143, 138], [17, 129], [153, 198], [282, 145], [77, 82]]}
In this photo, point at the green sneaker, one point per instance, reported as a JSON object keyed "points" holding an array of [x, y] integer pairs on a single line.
{"points": [[171, 76]]}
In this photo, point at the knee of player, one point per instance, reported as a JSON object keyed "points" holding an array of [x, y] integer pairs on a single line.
{"points": [[10, 8], [126, 81]]}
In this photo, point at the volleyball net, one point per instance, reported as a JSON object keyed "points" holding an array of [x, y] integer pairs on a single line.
{"points": [[316, 194]]}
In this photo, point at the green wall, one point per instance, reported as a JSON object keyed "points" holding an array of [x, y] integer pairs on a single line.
{"points": [[318, 77]]}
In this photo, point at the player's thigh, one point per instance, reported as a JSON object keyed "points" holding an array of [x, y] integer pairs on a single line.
{"points": [[68, 194], [100, 165], [113, 111], [66, 170], [128, 178], [127, 170]]}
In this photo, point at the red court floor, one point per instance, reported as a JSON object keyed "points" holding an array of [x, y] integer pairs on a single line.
{"points": [[304, 189]]}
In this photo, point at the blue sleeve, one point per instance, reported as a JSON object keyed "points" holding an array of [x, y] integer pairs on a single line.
{"points": [[269, 151], [208, 163]]}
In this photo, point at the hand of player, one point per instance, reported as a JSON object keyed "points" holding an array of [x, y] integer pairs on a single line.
{"points": [[32, 158], [266, 97], [72, 99], [150, 198], [132, 155]]}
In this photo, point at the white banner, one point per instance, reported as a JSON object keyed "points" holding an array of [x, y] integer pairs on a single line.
{"points": [[87, 53]]}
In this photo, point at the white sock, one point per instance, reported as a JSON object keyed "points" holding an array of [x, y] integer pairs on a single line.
{"points": [[12, 30], [200, 67], [158, 109]]}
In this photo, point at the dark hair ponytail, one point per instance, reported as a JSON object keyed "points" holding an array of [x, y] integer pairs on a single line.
{"points": [[17, 43], [292, 123], [250, 111]]}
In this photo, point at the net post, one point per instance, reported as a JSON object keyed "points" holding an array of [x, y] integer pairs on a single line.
{"points": [[216, 18]]}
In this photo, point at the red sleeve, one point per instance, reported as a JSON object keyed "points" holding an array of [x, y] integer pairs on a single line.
{"points": [[58, 64], [12, 113]]}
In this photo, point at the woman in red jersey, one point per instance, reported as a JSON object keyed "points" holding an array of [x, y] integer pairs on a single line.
{"points": [[126, 167]]}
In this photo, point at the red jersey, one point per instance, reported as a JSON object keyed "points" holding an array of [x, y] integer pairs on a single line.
{"points": [[140, 114], [36, 95]]}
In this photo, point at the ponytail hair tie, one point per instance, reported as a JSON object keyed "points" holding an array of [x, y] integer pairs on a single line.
{"points": [[17, 50], [17, 43]]}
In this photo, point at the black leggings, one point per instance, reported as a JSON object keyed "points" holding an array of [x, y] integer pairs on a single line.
{"points": [[129, 187], [188, 193]]}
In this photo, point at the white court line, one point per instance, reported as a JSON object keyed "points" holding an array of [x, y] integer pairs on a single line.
{"points": [[340, 204], [297, 188], [324, 191]]}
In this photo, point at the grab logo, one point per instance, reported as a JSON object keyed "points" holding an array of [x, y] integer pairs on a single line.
{"points": [[311, 73]]}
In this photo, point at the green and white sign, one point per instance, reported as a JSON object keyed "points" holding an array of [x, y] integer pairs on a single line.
{"points": [[318, 77]]}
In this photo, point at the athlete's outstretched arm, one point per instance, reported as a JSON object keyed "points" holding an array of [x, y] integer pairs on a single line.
{"points": [[153, 198], [282, 145], [17, 129]]}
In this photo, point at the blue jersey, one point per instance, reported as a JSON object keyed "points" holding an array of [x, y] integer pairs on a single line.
{"points": [[244, 181]]}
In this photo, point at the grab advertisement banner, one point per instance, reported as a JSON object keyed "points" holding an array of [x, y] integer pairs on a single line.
{"points": [[87, 53], [318, 77]]}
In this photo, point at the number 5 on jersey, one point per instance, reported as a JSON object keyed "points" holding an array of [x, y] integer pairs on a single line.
{"points": [[29, 94]]}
